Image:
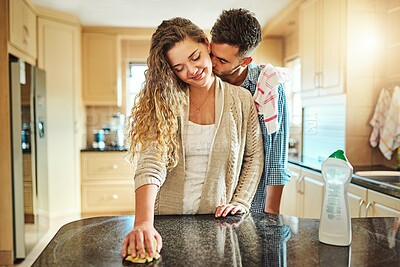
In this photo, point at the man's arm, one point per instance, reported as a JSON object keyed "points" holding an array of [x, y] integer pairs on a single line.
{"points": [[278, 173], [273, 199]]}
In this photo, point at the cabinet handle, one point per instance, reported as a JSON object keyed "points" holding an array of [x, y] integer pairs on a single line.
{"points": [[26, 34], [298, 184], [114, 196], [316, 80], [321, 80], [359, 207], [367, 208], [115, 166]]}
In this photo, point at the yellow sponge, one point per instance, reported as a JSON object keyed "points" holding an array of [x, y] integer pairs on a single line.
{"points": [[137, 259]]}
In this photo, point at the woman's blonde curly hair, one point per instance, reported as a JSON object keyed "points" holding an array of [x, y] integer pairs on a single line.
{"points": [[154, 116]]}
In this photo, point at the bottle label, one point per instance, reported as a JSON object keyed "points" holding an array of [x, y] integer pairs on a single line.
{"points": [[333, 205]]}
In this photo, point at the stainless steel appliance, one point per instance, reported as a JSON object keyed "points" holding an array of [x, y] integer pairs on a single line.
{"points": [[29, 152]]}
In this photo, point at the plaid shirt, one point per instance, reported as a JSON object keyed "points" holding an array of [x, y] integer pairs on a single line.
{"points": [[275, 145]]}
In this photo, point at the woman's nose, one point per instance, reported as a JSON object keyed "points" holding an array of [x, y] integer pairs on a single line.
{"points": [[192, 70]]}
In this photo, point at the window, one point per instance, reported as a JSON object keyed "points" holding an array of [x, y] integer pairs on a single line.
{"points": [[135, 82], [293, 95]]}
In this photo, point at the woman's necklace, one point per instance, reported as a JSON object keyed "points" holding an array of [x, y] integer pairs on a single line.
{"points": [[198, 107]]}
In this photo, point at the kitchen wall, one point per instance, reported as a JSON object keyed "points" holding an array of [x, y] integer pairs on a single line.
{"points": [[367, 35], [372, 62]]}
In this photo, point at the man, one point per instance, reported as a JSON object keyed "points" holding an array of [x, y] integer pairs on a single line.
{"points": [[234, 37]]}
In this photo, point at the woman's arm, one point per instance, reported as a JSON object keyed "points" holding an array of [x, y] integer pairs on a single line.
{"points": [[252, 165], [143, 234], [150, 174], [253, 159]]}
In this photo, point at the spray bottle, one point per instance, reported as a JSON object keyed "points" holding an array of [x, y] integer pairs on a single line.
{"points": [[335, 223]]}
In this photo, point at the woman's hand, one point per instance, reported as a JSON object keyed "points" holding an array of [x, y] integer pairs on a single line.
{"points": [[140, 240], [224, 210]]}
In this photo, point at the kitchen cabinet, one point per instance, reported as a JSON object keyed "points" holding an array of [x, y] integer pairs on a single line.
{"points": [[312, 191], [303, 197], [290, 194], [107, 184], [60, 56], [357, 200], [369, 203], [380, 205], [22, 37], [322, 33], [101, 69]]}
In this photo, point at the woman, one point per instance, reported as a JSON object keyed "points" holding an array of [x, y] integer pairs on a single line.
{"points": [[195, 139]]}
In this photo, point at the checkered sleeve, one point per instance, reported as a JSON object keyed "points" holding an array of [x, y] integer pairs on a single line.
{"points": [[276, 154], [276, 150]]}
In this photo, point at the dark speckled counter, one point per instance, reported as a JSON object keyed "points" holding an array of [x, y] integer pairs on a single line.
{"points": [[202, 240]]}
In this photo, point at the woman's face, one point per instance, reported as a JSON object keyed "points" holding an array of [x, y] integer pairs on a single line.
{"points": [[191, 62]]}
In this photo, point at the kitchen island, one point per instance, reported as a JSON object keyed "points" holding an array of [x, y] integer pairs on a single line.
{"points": [[202, 240]]}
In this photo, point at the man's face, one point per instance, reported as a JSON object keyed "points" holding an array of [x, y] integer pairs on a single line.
{"points": [[225, 61]]}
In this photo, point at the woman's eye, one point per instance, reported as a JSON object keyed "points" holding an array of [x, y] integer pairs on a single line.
{"points": [[196, 57], [178, 70]]}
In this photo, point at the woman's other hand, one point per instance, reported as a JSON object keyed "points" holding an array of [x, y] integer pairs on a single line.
{"points": [[140, 240], [224, 210]]}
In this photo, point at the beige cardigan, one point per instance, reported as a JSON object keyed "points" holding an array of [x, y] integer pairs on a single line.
{"points": [[235, 162]]}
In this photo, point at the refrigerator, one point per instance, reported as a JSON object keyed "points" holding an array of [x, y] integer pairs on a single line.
{"points": [[29, 155]]}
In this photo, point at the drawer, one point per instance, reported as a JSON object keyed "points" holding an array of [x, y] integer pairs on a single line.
{"points": [[107, 197], [105, 166]]}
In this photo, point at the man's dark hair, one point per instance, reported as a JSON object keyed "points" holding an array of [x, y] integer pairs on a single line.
{"points": [[237, 27]]}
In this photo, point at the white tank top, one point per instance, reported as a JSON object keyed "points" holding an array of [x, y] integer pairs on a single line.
{"points": [[197, 150]]}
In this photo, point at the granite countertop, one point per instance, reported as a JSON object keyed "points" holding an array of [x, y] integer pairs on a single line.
{"points": [[202, 240]]}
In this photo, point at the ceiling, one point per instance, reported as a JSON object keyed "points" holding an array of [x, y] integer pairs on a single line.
{"points": [[150, 13]]}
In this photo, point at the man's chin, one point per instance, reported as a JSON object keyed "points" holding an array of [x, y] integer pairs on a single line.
{"points": [[220, 75]]}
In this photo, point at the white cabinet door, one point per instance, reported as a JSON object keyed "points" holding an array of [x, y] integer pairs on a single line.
{"points": [[313, 194], [309, 29], [357, 200], [380, 205], [322, 44], [23, 31], [290, 202], [101, 70], [332, 40], [59, 56]]}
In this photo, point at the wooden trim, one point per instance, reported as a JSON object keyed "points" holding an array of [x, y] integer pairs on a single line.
{"points": [[21, 55], [6, 258], [279, 18], [6, 229], [58, 16], [125, 33]]}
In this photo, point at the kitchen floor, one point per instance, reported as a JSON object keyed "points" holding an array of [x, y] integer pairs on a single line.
{"points": [[55, 225]]}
